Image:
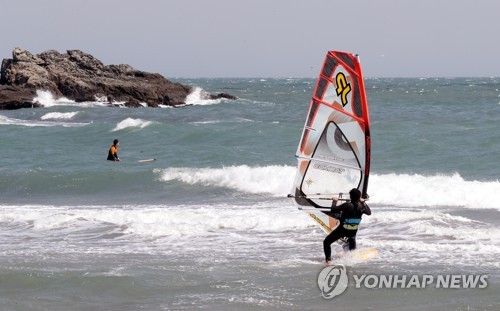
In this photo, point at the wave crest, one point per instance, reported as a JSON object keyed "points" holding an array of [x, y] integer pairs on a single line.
{"points": [[33, 123], [274, 179], [129, 122], [386, 189], [59, 115], [47, 99], [438, 190], [200, 97], [168, 221]]}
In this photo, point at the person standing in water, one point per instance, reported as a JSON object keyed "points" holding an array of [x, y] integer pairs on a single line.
{"points": [[349, 222], [112, 154]]}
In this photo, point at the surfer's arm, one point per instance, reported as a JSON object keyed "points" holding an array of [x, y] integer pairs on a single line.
{"points": [[335, 208], [115, 154], [366, 209]]}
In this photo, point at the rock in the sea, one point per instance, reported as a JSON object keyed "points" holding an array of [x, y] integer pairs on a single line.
{"points": [[82, 77], [133, 103], [223, 95], [13, 97]]}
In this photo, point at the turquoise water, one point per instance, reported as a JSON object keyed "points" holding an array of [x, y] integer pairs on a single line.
{"points": [[207, 225]]}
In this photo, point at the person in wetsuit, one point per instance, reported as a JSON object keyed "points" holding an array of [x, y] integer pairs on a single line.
{"points": [[112, 154], [350, 218]]}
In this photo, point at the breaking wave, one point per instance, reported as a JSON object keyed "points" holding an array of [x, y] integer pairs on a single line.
{"points": [[157, 220], [274, 180], [385, 189], [59, 115], [131, 123], [200, 97], [34, 123], [47, 99]]}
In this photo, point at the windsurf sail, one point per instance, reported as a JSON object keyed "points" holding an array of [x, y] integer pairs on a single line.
{"points": [[334, 150]]}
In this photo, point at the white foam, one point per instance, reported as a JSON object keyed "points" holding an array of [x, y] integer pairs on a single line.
{"points": [[59, 115], [235, 120], [159, 221], [34, 123], [200, 97], [387, 189], [424, 235], [200, 220], [207, 122], [131, 123], [47, 99], [424, 223], [409, 236], [101, 99], [457, 253], [432, 191], [275, 179]]}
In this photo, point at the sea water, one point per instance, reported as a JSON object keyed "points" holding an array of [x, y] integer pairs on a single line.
{"points": [[208, 225]]}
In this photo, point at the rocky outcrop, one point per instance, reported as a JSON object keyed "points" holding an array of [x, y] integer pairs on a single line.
{"points": [[82, 77], [13, 97]]}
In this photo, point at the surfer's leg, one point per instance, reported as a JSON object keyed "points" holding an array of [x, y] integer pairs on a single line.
{"points": [[332, 237], [352, 241]]}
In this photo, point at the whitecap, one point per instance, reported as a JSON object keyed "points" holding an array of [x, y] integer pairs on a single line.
{"points": [[59, 115], [168, 221], [34, 123], [47, 99], [131, 123], [273, 179], [200, 97], [403, 190], [414, 190]]}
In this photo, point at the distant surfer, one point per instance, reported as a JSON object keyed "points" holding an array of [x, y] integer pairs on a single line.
{"points": [[350, 218], [113, 151]]}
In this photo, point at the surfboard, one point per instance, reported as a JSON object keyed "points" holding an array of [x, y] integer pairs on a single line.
{"points": [[365, 254], [147, 160], [359, 254], [334, 149]]}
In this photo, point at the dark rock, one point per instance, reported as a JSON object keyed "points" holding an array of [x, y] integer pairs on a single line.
{"points": [[13, 97], [14, 104], [82, 77], [5, 64], [223, 95], [132, 103]]}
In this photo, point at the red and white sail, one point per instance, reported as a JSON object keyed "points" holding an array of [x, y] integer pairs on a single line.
{"points": [[334, 151]]}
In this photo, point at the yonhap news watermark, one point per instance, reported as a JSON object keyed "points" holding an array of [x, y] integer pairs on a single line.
{"points": [[333, 281]]}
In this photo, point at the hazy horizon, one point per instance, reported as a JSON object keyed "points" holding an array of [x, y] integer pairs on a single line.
{"points": [[259, 39]]}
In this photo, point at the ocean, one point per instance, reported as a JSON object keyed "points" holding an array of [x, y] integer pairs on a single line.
{"points": [[207, 226]]}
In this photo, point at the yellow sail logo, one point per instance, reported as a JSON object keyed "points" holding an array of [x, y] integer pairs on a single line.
{"points": [[343, 87]]}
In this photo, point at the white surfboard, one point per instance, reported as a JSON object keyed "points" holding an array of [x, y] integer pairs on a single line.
{"points": [[147, 160]]}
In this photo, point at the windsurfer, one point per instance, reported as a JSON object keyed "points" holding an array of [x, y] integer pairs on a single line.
{"points": [[350, 218]]}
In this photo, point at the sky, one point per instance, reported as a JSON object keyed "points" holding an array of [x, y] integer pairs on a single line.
{"points": [[264, 38]]}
